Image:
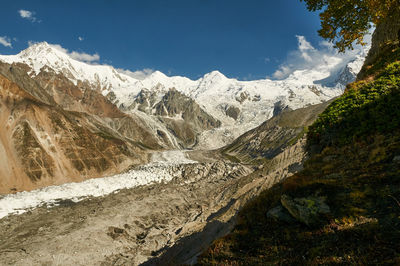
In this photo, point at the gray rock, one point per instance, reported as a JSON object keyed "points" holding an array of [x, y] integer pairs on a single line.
{"points": [[176, 103], [111, 96], [396, 159], [233, 112], [243, 96], [310, 210], [280, 107], [280, 214]]}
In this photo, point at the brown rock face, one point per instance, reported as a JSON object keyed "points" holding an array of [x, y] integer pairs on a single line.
{"points": [[55, 132], [80, 98], [36, 161]]}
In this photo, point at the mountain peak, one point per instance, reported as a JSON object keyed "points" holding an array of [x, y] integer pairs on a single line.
{"points": [[40, 46], [43, 44], [39, 50], [214, 75], [158, 75]]}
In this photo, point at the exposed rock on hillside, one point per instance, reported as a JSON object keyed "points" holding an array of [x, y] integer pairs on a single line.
{"points": [[174, 103], [56, 132], [387, 32], [145, 101], [311, 210], [183, 117], [233, 112], [274, 135]]}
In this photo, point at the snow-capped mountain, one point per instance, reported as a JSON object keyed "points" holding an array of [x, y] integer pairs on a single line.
{"points": [[238, 105]]}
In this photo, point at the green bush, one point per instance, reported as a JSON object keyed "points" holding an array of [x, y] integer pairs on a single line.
{"points": [[365, 108]]}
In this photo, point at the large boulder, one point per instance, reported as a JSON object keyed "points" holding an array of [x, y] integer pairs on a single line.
{"points": [[310, 211], [280, 214]]}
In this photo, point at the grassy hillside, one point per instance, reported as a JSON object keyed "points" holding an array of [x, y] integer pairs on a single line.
{"points": [[344, 207]]}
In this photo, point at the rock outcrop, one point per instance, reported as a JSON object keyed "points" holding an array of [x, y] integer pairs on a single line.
{"points": [[310, 211], [183, 117]]}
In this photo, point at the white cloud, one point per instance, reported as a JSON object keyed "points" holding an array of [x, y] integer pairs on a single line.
{"points": [[30, 43], [304, 45], [80, 38], [80, 56], [138, 74], [308, 57], [29, 15], [85, 57], [282, 72], [5, 41]]}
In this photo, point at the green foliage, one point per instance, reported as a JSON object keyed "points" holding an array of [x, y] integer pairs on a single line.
{"points": [[391, 53], [368, 107], [344, 21]]}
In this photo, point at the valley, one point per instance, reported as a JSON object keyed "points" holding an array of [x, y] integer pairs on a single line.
{"points": [[168, 210], [245, 149], [133, 224], [103, 168]]}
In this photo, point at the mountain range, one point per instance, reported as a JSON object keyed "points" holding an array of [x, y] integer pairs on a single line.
{"points": [[238, 105], [66, 120]]}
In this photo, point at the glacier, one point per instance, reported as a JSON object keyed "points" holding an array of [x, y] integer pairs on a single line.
{"points": [[157, 171]]}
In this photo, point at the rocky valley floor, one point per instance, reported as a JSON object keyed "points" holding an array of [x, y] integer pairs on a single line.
{"points": [[132, 226]]}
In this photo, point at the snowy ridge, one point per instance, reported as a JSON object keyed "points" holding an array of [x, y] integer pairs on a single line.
{"points": [[214, 92], [45, 55], [158, 171]]}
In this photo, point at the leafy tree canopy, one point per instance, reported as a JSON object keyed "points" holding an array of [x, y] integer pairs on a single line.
{"points": [[346, 21]]}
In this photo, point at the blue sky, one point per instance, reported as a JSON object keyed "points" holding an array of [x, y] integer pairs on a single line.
{"points": [[244, 39]]}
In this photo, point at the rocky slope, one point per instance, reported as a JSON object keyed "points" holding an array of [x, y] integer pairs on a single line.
{"points": [[183, 117], [273, 136], [56, 132]]}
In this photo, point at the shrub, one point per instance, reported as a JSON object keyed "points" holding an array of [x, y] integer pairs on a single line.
{"points": [[364, 108]]}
